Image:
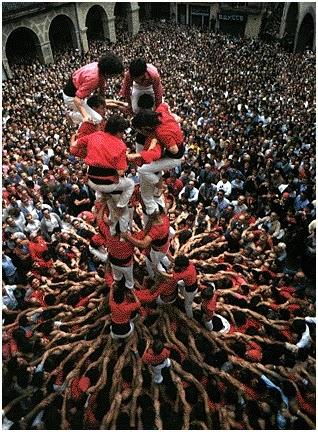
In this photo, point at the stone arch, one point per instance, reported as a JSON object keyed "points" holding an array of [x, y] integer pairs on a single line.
{"points": [[96, 23], [306, 34], [62, 33], [20, 40]]}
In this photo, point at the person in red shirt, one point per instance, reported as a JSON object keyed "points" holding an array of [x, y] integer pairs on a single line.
{"points": [[186, 276], [120, 254], [122, 307], [85, 81], [156, 235], [162, 126], [158, 358], [142, 78], [105, 155], [174, 184]]}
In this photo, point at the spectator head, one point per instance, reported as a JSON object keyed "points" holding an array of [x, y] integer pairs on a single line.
{"points": [[146, 101], [97, 103], [110, 64], [137, 69], [116, 125], [220, 195]]}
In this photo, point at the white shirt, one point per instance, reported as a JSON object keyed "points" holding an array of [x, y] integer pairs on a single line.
{"points": [[226, 187]]}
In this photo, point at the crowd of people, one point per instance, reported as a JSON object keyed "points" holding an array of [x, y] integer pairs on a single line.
{"points": [[219, 332]]}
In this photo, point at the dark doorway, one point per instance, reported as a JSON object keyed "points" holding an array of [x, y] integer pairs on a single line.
{"points": [[305, 38], [291, 27], [62, 34], [23, 46], [94, 23]]}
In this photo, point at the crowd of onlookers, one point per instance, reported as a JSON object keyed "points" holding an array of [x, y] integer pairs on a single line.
{"points": [[244, 211]]}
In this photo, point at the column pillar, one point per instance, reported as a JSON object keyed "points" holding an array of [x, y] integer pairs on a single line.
{"points": [[133, 21], [6, 69], [105, 25], [83, 38], [147, 11], [187, 15], [176, 9], [44, 51], [76, 39], [111, 29]]}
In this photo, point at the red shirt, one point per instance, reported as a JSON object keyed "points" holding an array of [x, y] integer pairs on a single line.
{"points": [[103, 150], [189, 275], [160, 232], [153, 359], [167, 291], [87, 79], [176, 185], [120, 313], [149, 156], [168, 132], [119, 250], [87, 128], [37, 249], [208, 306]]}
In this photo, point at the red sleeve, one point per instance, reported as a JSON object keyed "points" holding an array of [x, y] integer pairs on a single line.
{"points": [[145, 296], [86, 128], [80, 149], [149, 156], [304, 406]]}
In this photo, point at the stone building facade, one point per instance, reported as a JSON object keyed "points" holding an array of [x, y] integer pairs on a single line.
{"points": [[299, 21], [38, 20]]}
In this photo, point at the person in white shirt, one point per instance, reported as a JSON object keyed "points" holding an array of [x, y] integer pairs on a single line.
{"points": [[190, 193], [32, 225], [224, 185], [239, 205]]}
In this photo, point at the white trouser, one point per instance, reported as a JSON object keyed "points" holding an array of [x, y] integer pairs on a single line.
{"points": [[137, 91], [115, 336], [124, 219], [209, 324], [150, 196], [157, 377], [159, 301], [127, 272], [154, 264], [125, 185], [75, 115], [147, 171], [188, 299]]}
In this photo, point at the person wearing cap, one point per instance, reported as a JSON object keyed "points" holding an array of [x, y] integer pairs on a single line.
{"points": [[85, 81], [123, 304], [105, 154], [141, 78]]}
